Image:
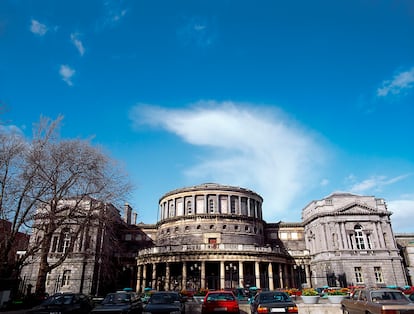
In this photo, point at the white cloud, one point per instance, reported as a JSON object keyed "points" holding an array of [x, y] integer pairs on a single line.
{"points": [[197, 31], [402, 214], [375, 183], [257, 148], [67, 73], [401, 82], [38, 28], [74, 37]]}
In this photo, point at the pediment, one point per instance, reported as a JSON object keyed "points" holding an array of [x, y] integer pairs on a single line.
{"points": [[357, 208]]}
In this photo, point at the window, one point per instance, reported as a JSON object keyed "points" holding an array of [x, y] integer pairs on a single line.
{"points": [[128, 237], [233, 205], [66, 278], [359, 238], [358, 275], [189, 209], [211, 205], [283, 235], [378, 275], [328, 201], [64, 240], [212, 243]]}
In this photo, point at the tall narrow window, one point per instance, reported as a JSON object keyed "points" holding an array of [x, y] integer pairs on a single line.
{"points": [[211, 206], [378, 275], [64, 240], [359, 238], [66, 278], [358, 275], [233, 205], [189, 209]]}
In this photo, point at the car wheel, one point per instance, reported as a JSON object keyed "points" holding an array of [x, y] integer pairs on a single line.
{"points": [[345, 311]]}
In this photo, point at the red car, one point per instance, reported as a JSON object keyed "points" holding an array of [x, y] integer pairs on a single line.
{"points": [[220, 302]]}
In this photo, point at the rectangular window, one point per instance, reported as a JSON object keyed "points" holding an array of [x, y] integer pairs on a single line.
{"points": [[233, 206], [378, 275], [358, 275], [283, 235], [66, 278], [54, 243], [359, 239]]}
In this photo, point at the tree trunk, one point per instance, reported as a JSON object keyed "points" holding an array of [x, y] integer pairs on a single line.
{"points": [[43, 266]]}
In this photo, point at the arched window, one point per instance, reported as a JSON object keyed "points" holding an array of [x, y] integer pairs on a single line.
{"points": [[359, 238]]}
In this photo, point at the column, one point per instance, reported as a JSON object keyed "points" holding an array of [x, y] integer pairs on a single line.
{"points": [[345, 236], [144, 277], [228, 203], [167, 283], [286, 271], [279, 266], [340, 237], [218, 203], [307, 273], [203, 275], [270, 273], [257, 273], [139, 269], [184, 277], [222, 275], [154, 276], [239, 211], [241, 275], [248, 207]]}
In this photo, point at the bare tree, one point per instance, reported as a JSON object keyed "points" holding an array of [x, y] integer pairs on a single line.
{"points": [[46, 182]]}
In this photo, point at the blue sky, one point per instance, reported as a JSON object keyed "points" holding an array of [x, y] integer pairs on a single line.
{"points": [[292, 99]]}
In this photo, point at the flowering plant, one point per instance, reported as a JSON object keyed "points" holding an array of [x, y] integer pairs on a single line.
{"points": [[342, 291], [309, 292]]}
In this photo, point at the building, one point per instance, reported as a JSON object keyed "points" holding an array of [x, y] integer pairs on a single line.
{"points": [[100, 255], [213, 236], [351, 242]]}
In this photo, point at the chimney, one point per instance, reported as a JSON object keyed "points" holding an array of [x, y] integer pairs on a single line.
{"points": [[127, 213], [134, 218]]}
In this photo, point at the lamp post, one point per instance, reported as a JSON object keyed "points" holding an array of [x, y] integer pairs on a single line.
{"points": [[231, 268], [195, 269]]}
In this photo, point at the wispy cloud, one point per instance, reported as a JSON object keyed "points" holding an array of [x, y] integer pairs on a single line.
{"points": [[66, 73], [254, 147], [375, 183], [401, 82], [74, 37], [402, 213], [38, 28], [114, 12], [198, 31]]}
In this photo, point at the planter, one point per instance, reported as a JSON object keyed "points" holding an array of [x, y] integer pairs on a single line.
{"points": [[310, 299], [336, 299]]}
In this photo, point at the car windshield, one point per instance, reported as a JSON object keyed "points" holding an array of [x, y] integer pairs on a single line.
{"points": [[220, 297], [273, 297], [386, 295], [163, 298], [60, 299], [115, 298]]}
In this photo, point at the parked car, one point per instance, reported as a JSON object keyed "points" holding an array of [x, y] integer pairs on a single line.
{"points": [[165, 302], [73, 303], [220, 302], [411, 297], [377, 301], [119, 302], [272, 302]]}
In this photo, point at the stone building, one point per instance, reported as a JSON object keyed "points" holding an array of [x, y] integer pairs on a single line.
{"points": [[405, 242], [213, 236], [101, 255], [351, 242]]}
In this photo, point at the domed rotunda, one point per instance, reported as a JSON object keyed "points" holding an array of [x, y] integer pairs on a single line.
{"points": [[213, 236]]}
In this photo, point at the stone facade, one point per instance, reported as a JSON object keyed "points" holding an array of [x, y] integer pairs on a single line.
{"points": [[213, 236], [350, 241]]}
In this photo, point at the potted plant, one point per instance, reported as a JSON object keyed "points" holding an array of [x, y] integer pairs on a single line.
{"points": [[337, 295], [310, 296]]}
